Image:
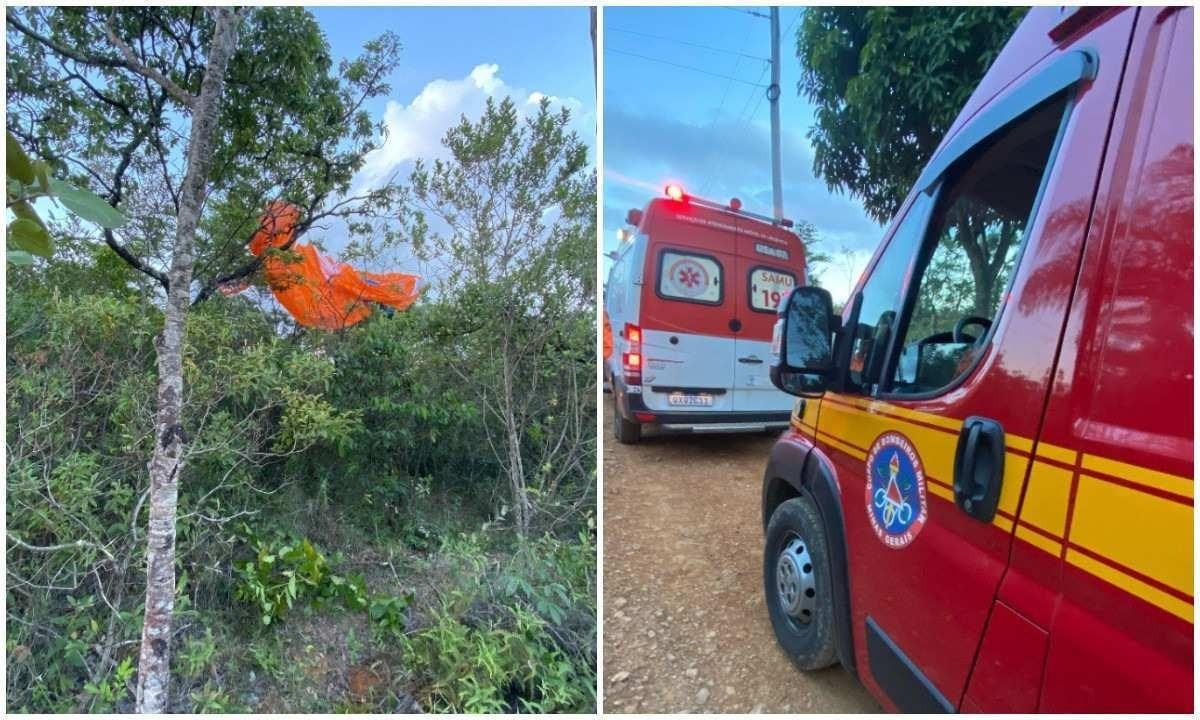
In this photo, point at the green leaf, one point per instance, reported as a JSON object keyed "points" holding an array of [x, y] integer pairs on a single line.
{"points": [[23, 209], [31, 237], [17, 163], [87, 204], [43, 175], [20, 257]]}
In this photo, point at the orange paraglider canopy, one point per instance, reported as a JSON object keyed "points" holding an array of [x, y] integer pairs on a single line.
{"points": [[317, 290]]}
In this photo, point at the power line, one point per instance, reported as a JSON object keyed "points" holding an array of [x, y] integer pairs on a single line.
{"points": [[743, 118], [799, 12], [720, 107], [737, 126], [685, 67], [744, 10], [685, 42]]}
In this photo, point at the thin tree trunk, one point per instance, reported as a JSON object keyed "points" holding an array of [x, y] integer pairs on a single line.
{"points": [[170, 439], [512, 438]]}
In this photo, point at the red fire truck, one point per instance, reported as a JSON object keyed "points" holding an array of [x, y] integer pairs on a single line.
{"points": [[985, 498]]}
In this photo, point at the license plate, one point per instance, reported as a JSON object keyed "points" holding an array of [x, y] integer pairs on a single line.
{"points": [[688, 400]]}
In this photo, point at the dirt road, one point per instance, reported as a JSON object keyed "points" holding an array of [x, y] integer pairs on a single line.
{"points": [[685, 626]]}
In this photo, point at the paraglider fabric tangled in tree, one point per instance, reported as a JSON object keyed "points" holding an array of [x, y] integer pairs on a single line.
{"points": [[317, 290]]}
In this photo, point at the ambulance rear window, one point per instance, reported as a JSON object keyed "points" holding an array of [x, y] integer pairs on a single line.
{"points": [[767, 286], [689, 277]]}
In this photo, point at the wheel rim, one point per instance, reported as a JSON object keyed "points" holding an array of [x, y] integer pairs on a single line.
{"points": [[795, 581]]}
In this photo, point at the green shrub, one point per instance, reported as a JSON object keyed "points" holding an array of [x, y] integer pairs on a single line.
{"points": [[287, 572], [509, 665], [113, 688], [389, 615], [514, 632]]}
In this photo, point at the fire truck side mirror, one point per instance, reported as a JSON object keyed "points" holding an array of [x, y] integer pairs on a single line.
{"points": [[803, 342], [634, 217]]}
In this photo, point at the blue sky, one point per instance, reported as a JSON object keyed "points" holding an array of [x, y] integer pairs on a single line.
{"points": [[453, 59], [712, 134], [538, 48]]}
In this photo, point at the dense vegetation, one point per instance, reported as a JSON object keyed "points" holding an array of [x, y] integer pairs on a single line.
{"points": [[374, 519], [886, 84]]}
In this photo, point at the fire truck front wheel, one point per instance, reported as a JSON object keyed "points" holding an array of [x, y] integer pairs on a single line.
{"points": [[798, 585]]}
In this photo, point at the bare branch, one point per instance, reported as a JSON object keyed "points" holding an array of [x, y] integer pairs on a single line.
{"points": [[78, 544]]}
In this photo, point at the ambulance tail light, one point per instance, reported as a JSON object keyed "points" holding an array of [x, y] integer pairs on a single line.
{"points": [[631, 359]]}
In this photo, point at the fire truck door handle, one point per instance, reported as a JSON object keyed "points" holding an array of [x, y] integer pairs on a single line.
{"points": [[979, 467]]}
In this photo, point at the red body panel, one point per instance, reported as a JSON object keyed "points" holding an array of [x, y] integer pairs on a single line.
{"points": [[1008, 672], [1078, 597], [734, 242], [1124, 390], [939, 624]]}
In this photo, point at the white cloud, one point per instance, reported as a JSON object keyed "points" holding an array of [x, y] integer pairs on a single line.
{"points": [[414, 131]]}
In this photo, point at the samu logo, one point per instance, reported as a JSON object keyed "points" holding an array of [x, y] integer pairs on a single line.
{"points": [[896, 503]]}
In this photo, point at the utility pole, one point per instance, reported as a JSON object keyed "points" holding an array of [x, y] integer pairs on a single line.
{"points": [[773, 98]]}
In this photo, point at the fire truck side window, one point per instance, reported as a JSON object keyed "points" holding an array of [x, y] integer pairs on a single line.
{"points": [[882, 293], [977, 233]]}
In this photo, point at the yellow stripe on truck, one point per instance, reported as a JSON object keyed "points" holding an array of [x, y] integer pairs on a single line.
{"points": [[1046, 499], [1129, 527], [849, 450], [1135, 529], [1039, 541], [1066, 456], [1142, 476], [936, 447], [1149, 593]]}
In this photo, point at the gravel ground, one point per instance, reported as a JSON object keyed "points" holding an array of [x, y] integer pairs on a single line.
{"points": [[685, 626]]}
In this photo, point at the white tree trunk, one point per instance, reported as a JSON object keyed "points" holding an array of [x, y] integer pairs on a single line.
{"points": [[522, 506], [170, 440]]}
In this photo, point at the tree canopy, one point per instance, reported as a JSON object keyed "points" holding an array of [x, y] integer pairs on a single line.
{"points": [[886, 83], [291, 124]]}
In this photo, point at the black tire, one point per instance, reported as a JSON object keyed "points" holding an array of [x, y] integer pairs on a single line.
{"points": [[811, 645], [626, 432]]}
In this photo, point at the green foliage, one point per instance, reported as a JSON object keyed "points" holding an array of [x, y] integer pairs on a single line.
{"points": [[286, 572], [79, 407], [494, 669], [511, 215], [113, 688], [389, 616], [27, 180], [197, 653], [210, 699], [373, 441], [292, 122], [886, 83], [513, 636]]}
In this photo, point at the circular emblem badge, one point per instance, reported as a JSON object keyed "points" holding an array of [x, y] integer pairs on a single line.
{"points": [[689, 277], [896, 503]]}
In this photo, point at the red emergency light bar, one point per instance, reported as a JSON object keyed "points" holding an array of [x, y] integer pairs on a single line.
{"points": [[676, 193]]}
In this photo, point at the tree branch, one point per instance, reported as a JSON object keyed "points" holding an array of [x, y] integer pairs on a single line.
{"points": [[93, 59], [63, 546], [132, 63]]}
